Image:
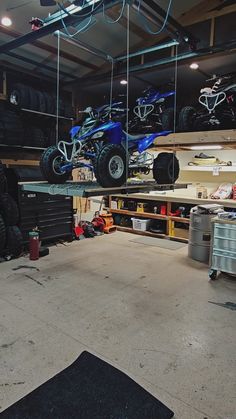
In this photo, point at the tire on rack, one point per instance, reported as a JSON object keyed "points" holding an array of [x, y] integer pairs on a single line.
{"points": [[2, 132], [14, 244], [19, 95], [33, 99], [50, 108], [13, 128], [166, 168], [69, 113], [38, 138], [41, 101], [111, 166], [2, 234], [49, 165], [167, 119], [9, 210], [3, 179], [186, 119]]}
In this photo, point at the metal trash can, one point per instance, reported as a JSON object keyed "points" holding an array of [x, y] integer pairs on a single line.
{"points": [[200, 231]]}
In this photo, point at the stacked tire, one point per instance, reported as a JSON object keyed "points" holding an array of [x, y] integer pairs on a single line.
{"points": [[26, 97], [35, 137], [11, 128], [11, 240]]}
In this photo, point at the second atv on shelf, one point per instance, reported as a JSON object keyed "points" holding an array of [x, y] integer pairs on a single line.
{"points": [[218, 107], [113, 155]]}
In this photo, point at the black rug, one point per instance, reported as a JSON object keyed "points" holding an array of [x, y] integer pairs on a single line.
{"points": [[89, 389]]}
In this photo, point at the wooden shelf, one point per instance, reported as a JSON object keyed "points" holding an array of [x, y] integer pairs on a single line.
{"points": [[51, 115], [184, 140], [179, 219], [140, 214], [141, 233], [209, 168]]}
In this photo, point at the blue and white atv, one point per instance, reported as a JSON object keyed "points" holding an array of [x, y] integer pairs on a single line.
{"points": [[154, 111], [113, 155]]}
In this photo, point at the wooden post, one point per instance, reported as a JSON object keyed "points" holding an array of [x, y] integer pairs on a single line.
{"points": [[212, 33]]}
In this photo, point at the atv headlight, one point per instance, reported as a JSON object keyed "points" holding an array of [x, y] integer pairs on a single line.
{"points": [[97, 135]]}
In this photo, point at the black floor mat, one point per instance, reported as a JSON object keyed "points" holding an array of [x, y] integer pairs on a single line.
{"points": [[89, 389]]}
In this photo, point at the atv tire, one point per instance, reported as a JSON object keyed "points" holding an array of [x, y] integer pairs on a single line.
{"points": [[111, 167], [168, 119], [9, 210], [41, 101], [3, 179], [166, 168], [186, 119], [33, 99], [19, 96], [14, 245], [2, 235], [38, 137], [48, 167]]}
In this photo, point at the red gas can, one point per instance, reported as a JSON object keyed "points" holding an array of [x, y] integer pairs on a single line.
{"points": [[34, 245]]}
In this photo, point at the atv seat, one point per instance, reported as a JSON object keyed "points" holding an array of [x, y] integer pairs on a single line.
{"points": [[134, 137], [206, 90]]}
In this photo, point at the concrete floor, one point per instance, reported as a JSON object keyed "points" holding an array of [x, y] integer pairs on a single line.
{"points": [[142, 308]]}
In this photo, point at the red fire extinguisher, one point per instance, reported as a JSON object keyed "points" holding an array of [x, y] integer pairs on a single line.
{"points": [[34, 245]]}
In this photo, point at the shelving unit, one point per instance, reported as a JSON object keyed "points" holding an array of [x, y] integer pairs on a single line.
{"points": [[173, 231], [184, 140], [51, 115]]}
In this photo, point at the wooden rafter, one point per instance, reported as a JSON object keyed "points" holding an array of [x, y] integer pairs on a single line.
{"points": [[201, 12], [52, 50], [136, 29]]}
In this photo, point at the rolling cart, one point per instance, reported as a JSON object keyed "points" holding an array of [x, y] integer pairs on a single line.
{"points": [[223, 247]]}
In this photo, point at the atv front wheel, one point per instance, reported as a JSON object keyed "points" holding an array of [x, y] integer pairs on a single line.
{"points": [[186, 119], [50, 164], [166, 168], [111, 167]]}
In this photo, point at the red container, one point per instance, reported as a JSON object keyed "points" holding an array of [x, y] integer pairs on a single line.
{"points": [[163, 209], [33, 245], [234, 192]]}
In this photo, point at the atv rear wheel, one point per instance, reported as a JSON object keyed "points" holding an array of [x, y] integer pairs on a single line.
{"points": [[111, 167], [167, 119], [166, 168], [186, 119], [50, 163]]}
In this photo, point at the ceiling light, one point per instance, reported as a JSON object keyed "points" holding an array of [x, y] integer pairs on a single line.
{"points": [[6, 21], [206, 147], [194, 66], [124, 82]]}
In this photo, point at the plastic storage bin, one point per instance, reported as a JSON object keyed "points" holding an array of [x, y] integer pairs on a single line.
{"points": [[140, 224]]}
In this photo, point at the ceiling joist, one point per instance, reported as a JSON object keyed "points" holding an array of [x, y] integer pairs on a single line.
{"points": [[48, 48]]}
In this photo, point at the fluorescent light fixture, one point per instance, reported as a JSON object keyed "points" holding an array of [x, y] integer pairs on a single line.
{"points": [[123, 82], [6, 21], [206, 147], [194, 66]]}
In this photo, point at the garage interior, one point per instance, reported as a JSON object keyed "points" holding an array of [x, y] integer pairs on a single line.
{"points": [[118, 209]]}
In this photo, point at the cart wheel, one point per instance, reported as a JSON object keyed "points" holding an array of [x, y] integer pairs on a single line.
{"points": [[212, 274]]}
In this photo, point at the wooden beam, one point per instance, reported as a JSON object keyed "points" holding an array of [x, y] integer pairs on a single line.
{"points": [[136, 29], [200, 12], [9, 66], [52, 50], [212, 34], [207, 14]]}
